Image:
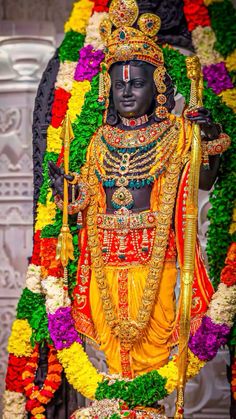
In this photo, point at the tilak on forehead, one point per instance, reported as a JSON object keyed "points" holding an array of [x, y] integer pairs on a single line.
{"points": [[126, 73]]}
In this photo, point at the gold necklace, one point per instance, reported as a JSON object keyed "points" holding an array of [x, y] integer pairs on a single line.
{"points": [[132, 169], [129, 330]]}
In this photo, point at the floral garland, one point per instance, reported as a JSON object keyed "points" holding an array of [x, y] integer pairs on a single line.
{"points": [[76, 90], [214, 40], [37, 397], [142, 390]]}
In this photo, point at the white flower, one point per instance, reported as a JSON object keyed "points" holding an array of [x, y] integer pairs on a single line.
{"points": [[55, 295], [14, 405], [203, 39], [222, 308], [33, 278], [92, 33], [65, 76]]}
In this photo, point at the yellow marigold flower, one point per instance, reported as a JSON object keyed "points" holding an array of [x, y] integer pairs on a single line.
{"points": [[194, 365], [54, 142], [231, 61], [76, 100], [19, 340], [79, 17], [170, 371], [45, 213], [229, 97], [80, 373]]}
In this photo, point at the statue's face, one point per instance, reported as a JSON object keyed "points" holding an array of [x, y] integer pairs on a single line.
{"points": [[133, 89]]}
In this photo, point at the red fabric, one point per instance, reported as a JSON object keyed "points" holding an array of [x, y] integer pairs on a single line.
{"points": [[202, 287], [196, 14]]}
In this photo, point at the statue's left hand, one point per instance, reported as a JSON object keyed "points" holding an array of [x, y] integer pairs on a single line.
{"points": [[202, 117]]}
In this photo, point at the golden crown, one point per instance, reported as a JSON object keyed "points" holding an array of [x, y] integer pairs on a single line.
{"points": [[127, 43]]}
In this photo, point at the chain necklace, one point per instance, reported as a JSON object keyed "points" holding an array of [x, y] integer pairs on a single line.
{"points": [[129, 330]]}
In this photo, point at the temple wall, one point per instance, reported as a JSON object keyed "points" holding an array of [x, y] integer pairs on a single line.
{"points": [[29, 33]]}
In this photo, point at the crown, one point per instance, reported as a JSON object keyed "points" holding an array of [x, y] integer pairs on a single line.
{"points": [[125, 42]]}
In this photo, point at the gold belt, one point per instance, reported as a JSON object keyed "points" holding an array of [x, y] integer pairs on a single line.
{"points": [[126, 219]]}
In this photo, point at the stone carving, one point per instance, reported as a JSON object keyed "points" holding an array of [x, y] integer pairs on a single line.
{"points": [[9, 120]]}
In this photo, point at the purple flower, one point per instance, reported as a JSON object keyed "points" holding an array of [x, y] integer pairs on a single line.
{"points": [[208, 339], [217, 77], [61, 328], [89, 63]]}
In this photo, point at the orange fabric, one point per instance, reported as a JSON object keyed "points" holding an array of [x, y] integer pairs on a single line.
{"points": [[153, 350]]}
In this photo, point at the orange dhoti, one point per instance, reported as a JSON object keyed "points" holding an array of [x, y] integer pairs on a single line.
{"points": [[126, 286]]}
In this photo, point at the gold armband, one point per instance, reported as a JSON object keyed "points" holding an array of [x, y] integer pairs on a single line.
{"points": [[212, 148]]}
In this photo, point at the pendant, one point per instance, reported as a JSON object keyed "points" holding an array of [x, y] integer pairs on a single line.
{"points": [[122, 198]]}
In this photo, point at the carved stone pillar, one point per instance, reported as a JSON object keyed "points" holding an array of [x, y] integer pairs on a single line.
{"points": [[23, 57]]}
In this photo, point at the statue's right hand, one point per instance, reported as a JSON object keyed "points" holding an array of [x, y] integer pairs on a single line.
{"points": [[56, 175]]}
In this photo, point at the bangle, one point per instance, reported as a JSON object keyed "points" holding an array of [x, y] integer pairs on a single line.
{"points": [[76, 178], [79, 204]]}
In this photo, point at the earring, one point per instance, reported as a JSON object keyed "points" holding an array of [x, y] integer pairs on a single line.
{"points": [[159, 77], [104, 88]]}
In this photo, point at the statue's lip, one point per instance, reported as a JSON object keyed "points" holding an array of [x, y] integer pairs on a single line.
{"points": [[128, 101]]}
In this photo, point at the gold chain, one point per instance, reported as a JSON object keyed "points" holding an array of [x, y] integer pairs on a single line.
{"points": [[129, 330]]}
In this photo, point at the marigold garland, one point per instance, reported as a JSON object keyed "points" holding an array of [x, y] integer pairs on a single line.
{"points": [[80, 372], [46, 212], [19, 340], [84, 126], [37, 396], [54, 142], [78, 21], [76, 102]]}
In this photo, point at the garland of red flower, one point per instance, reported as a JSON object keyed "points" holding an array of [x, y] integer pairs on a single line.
{"points": [[38, 397]]}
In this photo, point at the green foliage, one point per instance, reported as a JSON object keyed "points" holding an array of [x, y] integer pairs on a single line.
{"points": [[223, 23], [70, 46], [143, 390], [31, 307]]}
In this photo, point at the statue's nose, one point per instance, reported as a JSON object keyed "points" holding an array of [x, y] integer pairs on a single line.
{"points": [[127, 92]]}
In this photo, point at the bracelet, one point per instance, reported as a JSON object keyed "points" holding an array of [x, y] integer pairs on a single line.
{"points": [[79, 204], [76, 178], [212, 148]]}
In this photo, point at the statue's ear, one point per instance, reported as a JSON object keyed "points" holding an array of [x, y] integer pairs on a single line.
{"points": [[41, 121]]}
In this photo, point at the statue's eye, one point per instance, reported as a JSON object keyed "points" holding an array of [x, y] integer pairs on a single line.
{"points": [[138, 83], [119, 85]]}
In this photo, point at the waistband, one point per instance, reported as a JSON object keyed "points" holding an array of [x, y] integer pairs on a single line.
{"points": [[126, 219]]}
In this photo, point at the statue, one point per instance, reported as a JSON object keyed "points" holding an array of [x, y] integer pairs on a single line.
{"points": [[129, 200]]}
